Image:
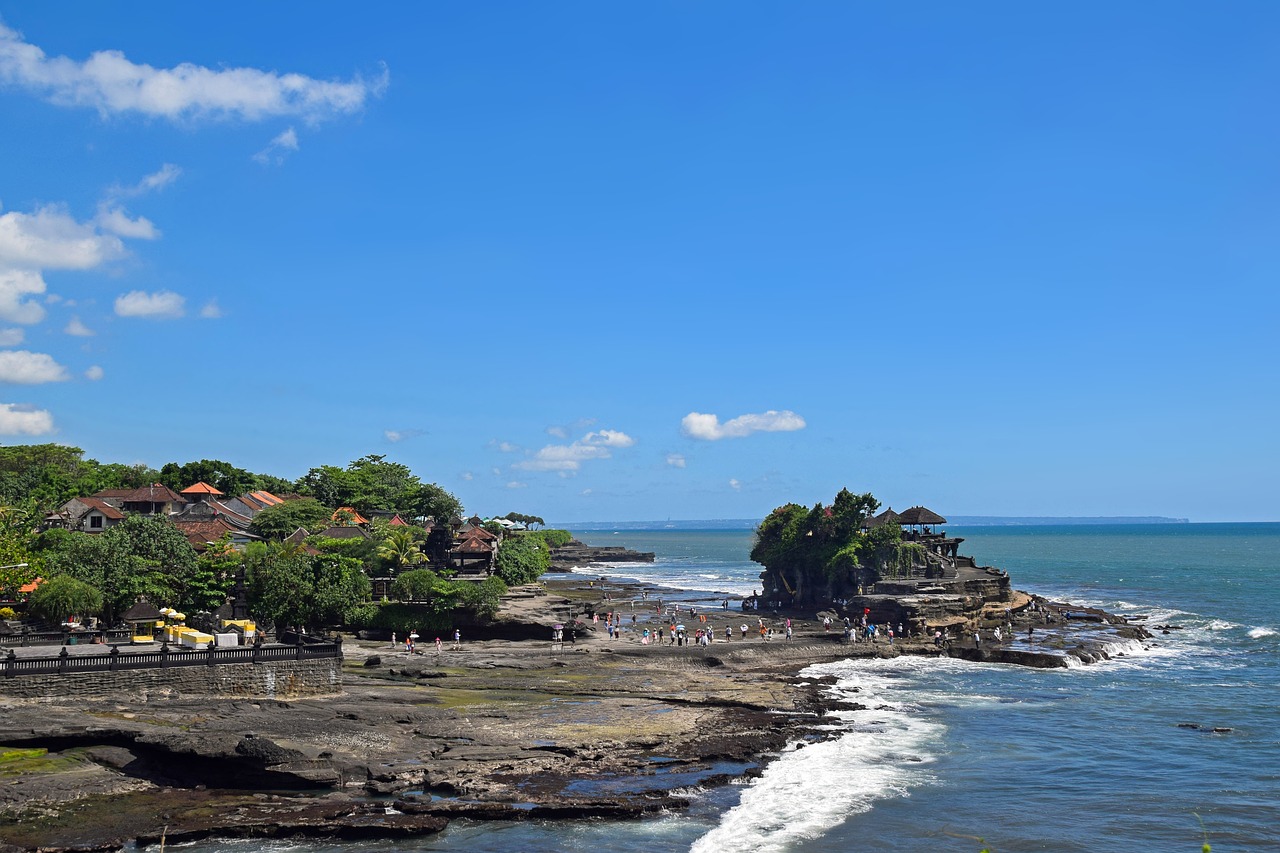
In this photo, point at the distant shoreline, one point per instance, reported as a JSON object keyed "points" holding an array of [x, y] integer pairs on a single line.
{"points": [[957, 520]]}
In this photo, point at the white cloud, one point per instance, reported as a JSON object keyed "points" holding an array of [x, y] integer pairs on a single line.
{"points": [[78, 329], [21, 419], [497, 472], [94, 373], [30, 368], [468, 476], [110, 83], [558, 431], [507, 447], [516, 484], [608, 438], [115, 220], [586, 492], [675, 460], [278, 149], [562, 457], [15, 286], [51, 238], [161, 304], [11, 337], [395, 435], [709, 428], [211, 310], [735, 484], [567, 458]]}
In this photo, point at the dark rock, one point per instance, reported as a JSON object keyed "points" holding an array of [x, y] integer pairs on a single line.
{"points": [[265, 751], [373, 660]]}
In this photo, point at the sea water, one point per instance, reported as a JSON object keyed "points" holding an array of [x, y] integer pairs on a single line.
{"points": [[954, 756]]}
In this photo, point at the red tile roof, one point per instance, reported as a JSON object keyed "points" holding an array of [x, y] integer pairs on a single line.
{"points": [[344, 514], [103, 507], [202, 532], [155, 493], [474, 546], [201, 488]]}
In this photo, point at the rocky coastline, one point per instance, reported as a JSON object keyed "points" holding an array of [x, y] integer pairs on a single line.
{"points": [[577, 555], [496, 730]]}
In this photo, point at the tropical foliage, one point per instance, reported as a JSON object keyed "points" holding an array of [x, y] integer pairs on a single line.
{"points": [[522, 559], [60, 597], [822, 552]]}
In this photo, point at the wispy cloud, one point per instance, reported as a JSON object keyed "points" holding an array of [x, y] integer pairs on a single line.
{"points": [[112, 84], [12, 337], [156, 181], [23, 419], [211, 310], [22, 367], [94, 373], [567, 458], [163, 304], [78, 329], [735, 484], [398, 435], [278, 149], [516, 484], [676, 460], [709, 428]]}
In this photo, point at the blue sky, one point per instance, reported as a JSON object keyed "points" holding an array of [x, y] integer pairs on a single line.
{"points": [[620, 261]]}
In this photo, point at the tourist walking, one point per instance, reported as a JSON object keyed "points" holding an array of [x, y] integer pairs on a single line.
{"points": [[457, 638]]}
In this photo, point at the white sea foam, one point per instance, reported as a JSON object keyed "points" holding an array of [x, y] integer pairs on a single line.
{"points": [[1260, 632], [884, 753]]}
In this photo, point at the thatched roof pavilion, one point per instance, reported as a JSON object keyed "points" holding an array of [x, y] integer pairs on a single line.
{"points": [[886, 517], [919, 516]]}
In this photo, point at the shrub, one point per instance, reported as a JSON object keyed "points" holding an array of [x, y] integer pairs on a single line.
{"points": [[554, 538], [7, 613], [522, 559]]}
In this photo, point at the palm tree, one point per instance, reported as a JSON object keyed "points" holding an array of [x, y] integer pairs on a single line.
{"points": [[401, 551]]}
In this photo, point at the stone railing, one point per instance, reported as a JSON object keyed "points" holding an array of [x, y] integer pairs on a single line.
{"points": [[163, 658]]}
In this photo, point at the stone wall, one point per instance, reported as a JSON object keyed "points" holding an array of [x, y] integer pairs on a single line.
{"points": [[271, 680]]}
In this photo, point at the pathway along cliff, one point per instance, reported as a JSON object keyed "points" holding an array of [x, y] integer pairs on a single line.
{"points": [[495, 730]]}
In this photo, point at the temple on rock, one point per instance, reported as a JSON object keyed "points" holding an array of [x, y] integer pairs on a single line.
{"points": [[889, 567]]}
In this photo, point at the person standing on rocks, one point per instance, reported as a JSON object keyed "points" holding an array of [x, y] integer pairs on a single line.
{"points": [[393, 640], [457, 638]]}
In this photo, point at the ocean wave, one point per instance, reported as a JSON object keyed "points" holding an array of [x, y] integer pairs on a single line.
{"points": [[809, 789], [1260, 632]]}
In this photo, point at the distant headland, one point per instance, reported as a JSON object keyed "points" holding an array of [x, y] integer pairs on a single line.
{"points": [[957, 520]]}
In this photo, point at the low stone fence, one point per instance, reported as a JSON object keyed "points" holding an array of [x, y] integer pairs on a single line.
{"points": [[310, 669]]}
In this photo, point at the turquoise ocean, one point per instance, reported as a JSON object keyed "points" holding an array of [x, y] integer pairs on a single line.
{"points": [[1084, 759]]}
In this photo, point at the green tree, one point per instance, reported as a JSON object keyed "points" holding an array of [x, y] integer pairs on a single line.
{"points": [[341, 586], [399, 550], [108, 565], [60, 597], [223, 476], [522, 559], [281, 585], [281, 520], [431, 501], [421, 585]]}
